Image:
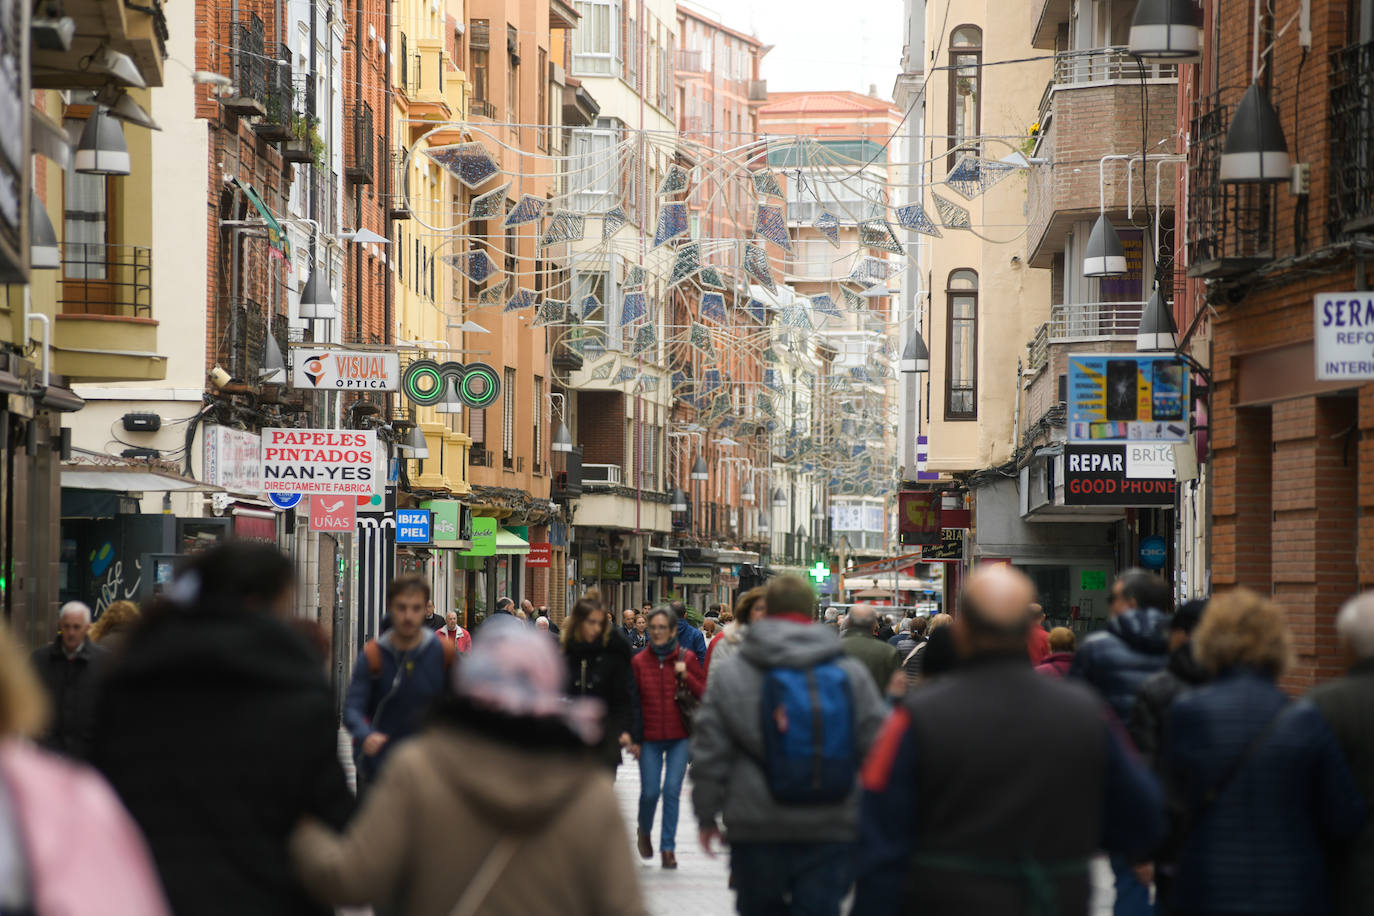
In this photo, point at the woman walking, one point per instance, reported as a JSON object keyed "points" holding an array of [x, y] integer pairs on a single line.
{"points": [[1263, 781], [598, 659], [661, 729], [749, 607]]}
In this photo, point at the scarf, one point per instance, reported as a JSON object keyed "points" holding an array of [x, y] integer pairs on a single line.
{"points": [[667, 649]]}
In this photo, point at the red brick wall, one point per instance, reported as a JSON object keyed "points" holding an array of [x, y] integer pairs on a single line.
{"points": [[602, 427], [1293, 502]]}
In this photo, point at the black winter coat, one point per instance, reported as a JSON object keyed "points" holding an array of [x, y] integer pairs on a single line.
{"points": [[603, 671], [1260, 847], [72, 687], [1159, 691], [1347, 704], [217, 730], [1116, 660]]}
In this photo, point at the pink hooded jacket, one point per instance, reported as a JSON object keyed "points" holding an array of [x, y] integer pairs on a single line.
{"points": [[84, 853]]}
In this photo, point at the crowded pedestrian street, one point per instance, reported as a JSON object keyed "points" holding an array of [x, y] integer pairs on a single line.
{"points": [[654, 458]]}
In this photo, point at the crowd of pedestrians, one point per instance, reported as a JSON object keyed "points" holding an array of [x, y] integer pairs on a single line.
{"points": [[187, 758]]}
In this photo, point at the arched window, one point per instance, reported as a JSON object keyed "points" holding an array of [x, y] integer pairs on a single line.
{"points": [[961, 346], [965, 90]]}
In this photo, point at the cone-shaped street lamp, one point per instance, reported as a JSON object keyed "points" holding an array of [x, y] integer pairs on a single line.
{"points": [[1255, 149], [1165, 29], [1104, 256]]}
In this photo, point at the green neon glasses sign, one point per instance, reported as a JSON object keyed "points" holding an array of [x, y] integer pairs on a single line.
{"points": [[476, 385]]}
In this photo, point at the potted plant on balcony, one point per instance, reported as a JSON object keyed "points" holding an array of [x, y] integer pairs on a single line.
{"points": [[305, 143]]}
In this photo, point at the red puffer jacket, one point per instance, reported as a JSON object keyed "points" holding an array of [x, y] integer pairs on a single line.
{"points": [[656, 714]]}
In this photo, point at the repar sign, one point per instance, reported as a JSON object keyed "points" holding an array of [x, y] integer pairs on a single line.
{"points": [[320, 461]]}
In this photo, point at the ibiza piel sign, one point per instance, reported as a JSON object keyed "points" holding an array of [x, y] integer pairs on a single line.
{"points": [[345, 370]]}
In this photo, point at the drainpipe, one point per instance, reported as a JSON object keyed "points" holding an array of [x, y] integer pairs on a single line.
{"points": [[29, 318]]}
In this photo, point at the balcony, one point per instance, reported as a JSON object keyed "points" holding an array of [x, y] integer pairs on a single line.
{"points": [[138, 29], [689, 61], [1230, 226], [600, 476], [1093, 100], [362, 142], [1079, 321], [104, 329], [482, 108], [567, 475], [397, 205], [244, 336], [758, 90], [1351, 119]]}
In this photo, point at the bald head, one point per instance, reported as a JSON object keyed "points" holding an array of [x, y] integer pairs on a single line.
{"points": [[995, 608], [863, 617]]}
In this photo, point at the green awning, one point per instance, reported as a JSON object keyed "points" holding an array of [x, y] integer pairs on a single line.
{"points": [[276, 235], [508, 541]]}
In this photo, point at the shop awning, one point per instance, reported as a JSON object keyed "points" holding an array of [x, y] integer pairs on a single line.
{"points": [[660, 552], [276, 236], [731, 557], [884, 584], [509, 542], [130, 480]]}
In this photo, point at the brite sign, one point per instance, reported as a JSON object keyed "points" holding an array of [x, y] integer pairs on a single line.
{"points": [[477, 385]]}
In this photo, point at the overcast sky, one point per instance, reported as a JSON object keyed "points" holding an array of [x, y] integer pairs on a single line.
{"points": [[821, 44]]}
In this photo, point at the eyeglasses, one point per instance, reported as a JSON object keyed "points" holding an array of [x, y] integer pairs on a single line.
{"points": [[659, 626]]}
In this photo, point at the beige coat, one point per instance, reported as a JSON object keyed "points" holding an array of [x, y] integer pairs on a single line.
{"points": [[442, 802]]}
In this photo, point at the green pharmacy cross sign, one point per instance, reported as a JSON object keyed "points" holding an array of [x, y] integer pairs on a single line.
{"points": [[820, 572]]}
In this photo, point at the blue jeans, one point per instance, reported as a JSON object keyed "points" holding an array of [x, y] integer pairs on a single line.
{"points": [[1132, 897], [791, 879], [653, 781]]}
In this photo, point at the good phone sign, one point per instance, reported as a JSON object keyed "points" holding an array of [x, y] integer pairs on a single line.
{"points": [[1096, 475]]}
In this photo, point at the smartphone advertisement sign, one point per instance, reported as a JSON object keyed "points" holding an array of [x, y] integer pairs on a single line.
{"points": [[1098, 475], [1127, 397]]}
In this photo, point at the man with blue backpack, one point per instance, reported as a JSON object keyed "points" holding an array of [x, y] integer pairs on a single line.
{"points": [[776, 749]]}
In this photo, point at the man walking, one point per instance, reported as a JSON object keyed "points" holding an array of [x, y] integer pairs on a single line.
{"points": [[69, 666], [627, 625], [396, 677], [461, 638], [1116, 661], [775, 748], [995, 838], [688, 636], [860, 641], [1347, 704]]}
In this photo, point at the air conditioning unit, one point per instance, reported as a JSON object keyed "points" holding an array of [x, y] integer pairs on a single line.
{"points": [[600, 476]]}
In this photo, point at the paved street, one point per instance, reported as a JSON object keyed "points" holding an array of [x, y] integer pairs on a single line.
{"points": [[698, 887]]}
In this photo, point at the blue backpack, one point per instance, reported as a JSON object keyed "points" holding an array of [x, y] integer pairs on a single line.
{"points": [[808, 734]]}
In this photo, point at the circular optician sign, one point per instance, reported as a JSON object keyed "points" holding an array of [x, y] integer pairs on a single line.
{"points": [[1153, 552], [284, 500], [477, 384]]}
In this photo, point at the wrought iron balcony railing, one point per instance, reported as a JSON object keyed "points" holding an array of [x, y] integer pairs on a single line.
{"points": [[100, 279], [1230, 226], [1351, 115]]}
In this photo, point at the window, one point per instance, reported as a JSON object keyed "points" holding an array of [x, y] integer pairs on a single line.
{"points": [[538, 424], [404, 64], [593, 174], [508, 420], [84, 219], [965, 90], [961, 342], [479, 45], [513, 74], [541, 115], [512, 246], [596, 45]]}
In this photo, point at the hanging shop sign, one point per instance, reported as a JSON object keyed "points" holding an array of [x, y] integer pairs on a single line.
{"points": [[1127, 397], [284, 500], [444, 527], [918, 515], [476, 385], [612, 568], [1344, 336], [323, 461], [1095, 475], [233, 459], [412, 526], [630, 572], [1154, 552], [670, 566], [345, 370], [333, 513], [483, 538], [951, 546], [540, 556], [694, 575]]}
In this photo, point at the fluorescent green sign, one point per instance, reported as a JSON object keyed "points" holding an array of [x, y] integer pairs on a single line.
{"points": [[483, 538], [1093, 580], [820, 572], [444, 532]]}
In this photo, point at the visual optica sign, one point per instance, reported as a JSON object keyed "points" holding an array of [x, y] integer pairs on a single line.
{"points": [[476, 385], [1127, 397], [319, 461], [345, 370]]}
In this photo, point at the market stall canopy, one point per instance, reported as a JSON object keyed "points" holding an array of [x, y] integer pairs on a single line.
{"points": [[131, 480], [508, 541]]}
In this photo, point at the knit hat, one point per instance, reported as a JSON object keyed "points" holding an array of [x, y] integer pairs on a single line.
{"points": [[1187, 617], [516, 671]]}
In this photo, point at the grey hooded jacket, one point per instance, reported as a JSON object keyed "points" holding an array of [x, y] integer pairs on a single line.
{"points": [[727, 740]]}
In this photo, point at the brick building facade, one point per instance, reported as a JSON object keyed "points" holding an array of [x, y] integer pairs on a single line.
{"points": [[1292, 457]]}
